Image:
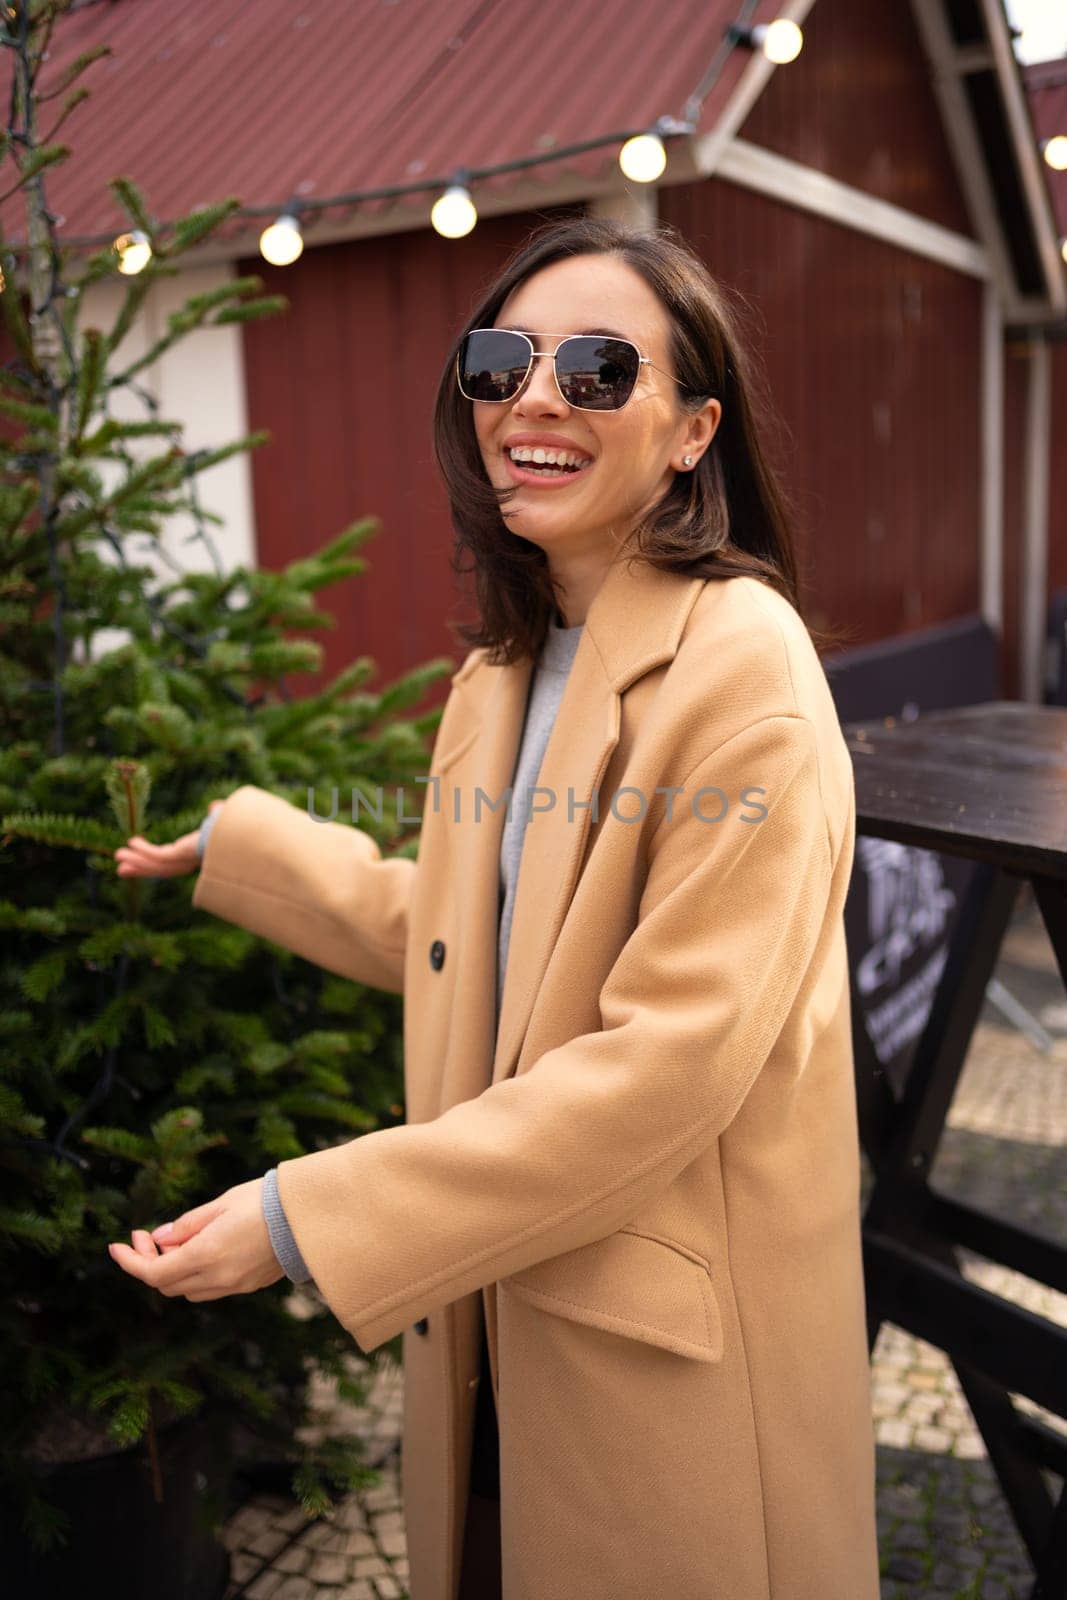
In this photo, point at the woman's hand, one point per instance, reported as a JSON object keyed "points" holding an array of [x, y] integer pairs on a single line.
{"points": [[214, 1250], [137, 858]]}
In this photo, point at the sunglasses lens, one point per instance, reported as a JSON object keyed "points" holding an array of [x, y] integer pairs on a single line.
{"points": [[492, 364], [597, 373]]}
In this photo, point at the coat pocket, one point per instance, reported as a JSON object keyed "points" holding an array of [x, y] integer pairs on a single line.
{"points": [[633, 1284]]}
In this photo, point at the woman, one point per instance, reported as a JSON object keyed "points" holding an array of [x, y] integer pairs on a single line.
{"points": [[622, 1218]]}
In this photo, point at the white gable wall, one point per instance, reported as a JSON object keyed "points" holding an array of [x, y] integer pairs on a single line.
{"points": [[198, 383]]}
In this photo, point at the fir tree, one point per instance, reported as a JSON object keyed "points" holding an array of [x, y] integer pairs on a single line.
{"points": [[153, 1056]]}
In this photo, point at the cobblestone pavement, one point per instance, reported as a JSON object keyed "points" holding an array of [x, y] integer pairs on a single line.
{"points": [[359, 1551], [945, 1532]]}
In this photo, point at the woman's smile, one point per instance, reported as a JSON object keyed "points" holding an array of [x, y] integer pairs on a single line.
{"points": [[544, 477]]}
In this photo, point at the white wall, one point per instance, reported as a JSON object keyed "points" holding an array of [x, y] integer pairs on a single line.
{"points": [[200, 384]]}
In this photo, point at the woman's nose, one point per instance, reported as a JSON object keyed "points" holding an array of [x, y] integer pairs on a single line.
{"points": [[541, 392]]}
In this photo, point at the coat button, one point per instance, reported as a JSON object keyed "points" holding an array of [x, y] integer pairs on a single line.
{"points": [[423, 1325], [437, 955]]}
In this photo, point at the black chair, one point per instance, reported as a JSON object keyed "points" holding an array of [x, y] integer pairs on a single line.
{"points": [[887, 911]]}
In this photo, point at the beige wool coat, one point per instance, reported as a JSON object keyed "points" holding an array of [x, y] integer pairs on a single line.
{"points": [[648, 1182]]}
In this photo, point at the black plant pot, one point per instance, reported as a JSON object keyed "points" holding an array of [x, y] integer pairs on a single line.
{"points": [[124, 1545]]}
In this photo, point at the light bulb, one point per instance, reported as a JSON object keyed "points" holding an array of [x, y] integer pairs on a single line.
{"points": [[282, 243], [780, 40], [643, 158], [134, 252], [453, 213], [1054, 151]]}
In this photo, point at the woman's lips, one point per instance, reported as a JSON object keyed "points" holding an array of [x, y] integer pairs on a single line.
{"points": [[539, 480]]}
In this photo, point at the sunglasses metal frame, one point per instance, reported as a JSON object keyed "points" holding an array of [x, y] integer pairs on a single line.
{"points": [[564, 338]]}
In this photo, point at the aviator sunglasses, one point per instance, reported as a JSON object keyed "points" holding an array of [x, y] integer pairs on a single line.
{"points": [[594, 372]]}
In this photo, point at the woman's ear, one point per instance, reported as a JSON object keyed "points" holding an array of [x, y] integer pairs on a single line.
{"points": [[709, 416]]}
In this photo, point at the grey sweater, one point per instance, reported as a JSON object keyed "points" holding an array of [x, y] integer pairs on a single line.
{"points": [[547, 684]]}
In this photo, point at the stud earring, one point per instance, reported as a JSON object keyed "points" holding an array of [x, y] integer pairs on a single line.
{"points": [[687, 461]]}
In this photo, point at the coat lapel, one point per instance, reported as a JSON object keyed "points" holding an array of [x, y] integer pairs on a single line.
{"points": [[634, 624]]}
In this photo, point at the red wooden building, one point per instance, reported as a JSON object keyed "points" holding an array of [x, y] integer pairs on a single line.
{"points": [[880, 202]]}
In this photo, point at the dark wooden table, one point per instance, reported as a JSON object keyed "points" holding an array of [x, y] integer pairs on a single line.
{"points": [[988, 782]]}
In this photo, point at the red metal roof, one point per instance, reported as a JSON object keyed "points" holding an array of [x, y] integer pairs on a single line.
{"points": [[1046, 84], [277, 98]]}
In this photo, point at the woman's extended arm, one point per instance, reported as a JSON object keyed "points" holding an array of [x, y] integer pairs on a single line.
{"points": [[320, 889]]}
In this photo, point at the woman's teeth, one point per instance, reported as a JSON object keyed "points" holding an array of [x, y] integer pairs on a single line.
{"points": [[559, 460]]}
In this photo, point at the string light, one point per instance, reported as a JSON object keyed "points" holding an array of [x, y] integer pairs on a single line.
{"points": [[781, 41], [1054, 151], [134, 252], [283, 242], [453, 213], [643, 158]]}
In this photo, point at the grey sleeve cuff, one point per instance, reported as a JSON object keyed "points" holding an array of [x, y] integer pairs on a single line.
{"points": [[285, 1246], [205, 828]]}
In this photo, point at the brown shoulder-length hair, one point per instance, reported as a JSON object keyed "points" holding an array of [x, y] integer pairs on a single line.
{"points": [[728, 517]]}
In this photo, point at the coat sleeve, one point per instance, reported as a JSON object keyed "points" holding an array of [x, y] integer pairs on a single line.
{"points": [[320, 889], [402, 1220]]}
